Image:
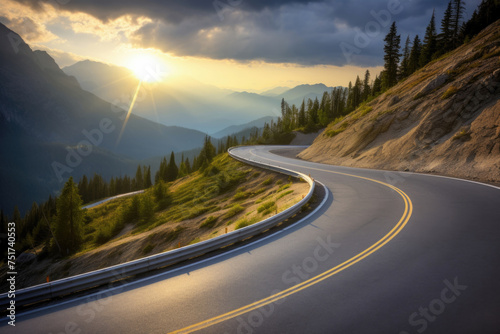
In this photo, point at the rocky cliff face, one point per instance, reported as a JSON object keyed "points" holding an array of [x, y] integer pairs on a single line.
{"points": [[443, 119]]}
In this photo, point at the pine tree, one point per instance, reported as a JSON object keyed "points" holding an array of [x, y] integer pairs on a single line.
{"points": [[139, 179], [172, 169], [147, 209], [147, 177], [266, 132], [326, 107], [445, 38], [134, 210], [414, 63], [377, 86], [404, 69], [458, 8], [349, 101], [69, 223], [356, 93], [487, 13], [429, 46], [83, 186], [189, 169], [313, 112], [391, 57], [302, 114], [161, 174], [366, 86]]}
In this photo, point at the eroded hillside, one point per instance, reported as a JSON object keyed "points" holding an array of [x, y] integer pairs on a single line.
{"points": [[443, 119]]}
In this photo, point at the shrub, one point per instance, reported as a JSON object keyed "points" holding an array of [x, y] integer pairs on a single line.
{"points": [[267, 181], [334, 132], [235, 209], [209, 222], [241, 223], [148, 248], [266, 207], [241, 195], [285, 193], [194, 241], [286, 186], [103, 235]]}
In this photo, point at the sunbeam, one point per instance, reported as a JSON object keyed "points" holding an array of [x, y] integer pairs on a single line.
{"points": [[129, 112]]}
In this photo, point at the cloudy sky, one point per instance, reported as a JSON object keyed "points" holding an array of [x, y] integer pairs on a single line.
{"points": [[236, 44]]}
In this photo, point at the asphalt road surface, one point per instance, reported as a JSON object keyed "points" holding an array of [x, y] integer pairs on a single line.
{"points": [[387, 252]]}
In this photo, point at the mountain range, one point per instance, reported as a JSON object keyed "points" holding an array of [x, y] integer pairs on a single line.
{"points": [[184, 101], [51, 128], [59, 123]]}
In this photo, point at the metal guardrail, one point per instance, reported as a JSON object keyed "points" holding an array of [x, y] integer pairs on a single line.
{"points": [[99, 277]]}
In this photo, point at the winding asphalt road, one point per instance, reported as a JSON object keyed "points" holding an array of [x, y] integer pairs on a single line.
{"points": [[386, 253]]}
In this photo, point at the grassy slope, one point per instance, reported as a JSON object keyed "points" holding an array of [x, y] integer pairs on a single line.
{"points": [[228, 195]]}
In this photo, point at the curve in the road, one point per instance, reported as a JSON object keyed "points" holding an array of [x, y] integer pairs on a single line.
{"points": [[312, 281], [438, 274]]}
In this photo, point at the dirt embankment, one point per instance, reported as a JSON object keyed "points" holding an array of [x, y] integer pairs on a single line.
{"points": [[443, 119], [198, 213]]}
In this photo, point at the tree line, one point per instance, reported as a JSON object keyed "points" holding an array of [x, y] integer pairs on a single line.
{"points": [[58, 222], [399, 63]]}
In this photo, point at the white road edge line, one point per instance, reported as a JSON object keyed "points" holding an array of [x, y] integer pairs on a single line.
{"points": [[380, 170]]}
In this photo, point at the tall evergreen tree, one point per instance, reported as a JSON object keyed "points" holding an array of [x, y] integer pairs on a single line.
{"points": [[147, 177], [161, 174], [429, 46], [391, 57], [445, 38], [356, 93], [366, 86], [404, 69], [188, 166], [139, 179], [69, 224], [302, 114], [414, 63], [377, 86], [458, 9], [172, 169], [83, 186], [313, 112], [206, 155], [349, 102]]}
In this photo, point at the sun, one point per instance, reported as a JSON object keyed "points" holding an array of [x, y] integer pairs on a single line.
{"points": [[148, 68]]}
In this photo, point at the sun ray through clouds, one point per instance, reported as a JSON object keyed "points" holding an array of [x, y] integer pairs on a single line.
{"points": [[129, 112]]}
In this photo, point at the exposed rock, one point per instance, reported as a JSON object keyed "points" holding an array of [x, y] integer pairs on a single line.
{"points": [[443, 119], [437, 82]]}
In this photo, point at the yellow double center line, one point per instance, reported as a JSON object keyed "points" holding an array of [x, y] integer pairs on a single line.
{"points": [[329, 273]]}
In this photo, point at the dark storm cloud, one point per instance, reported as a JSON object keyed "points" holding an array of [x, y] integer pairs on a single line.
{"points": [[337, 32]]}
